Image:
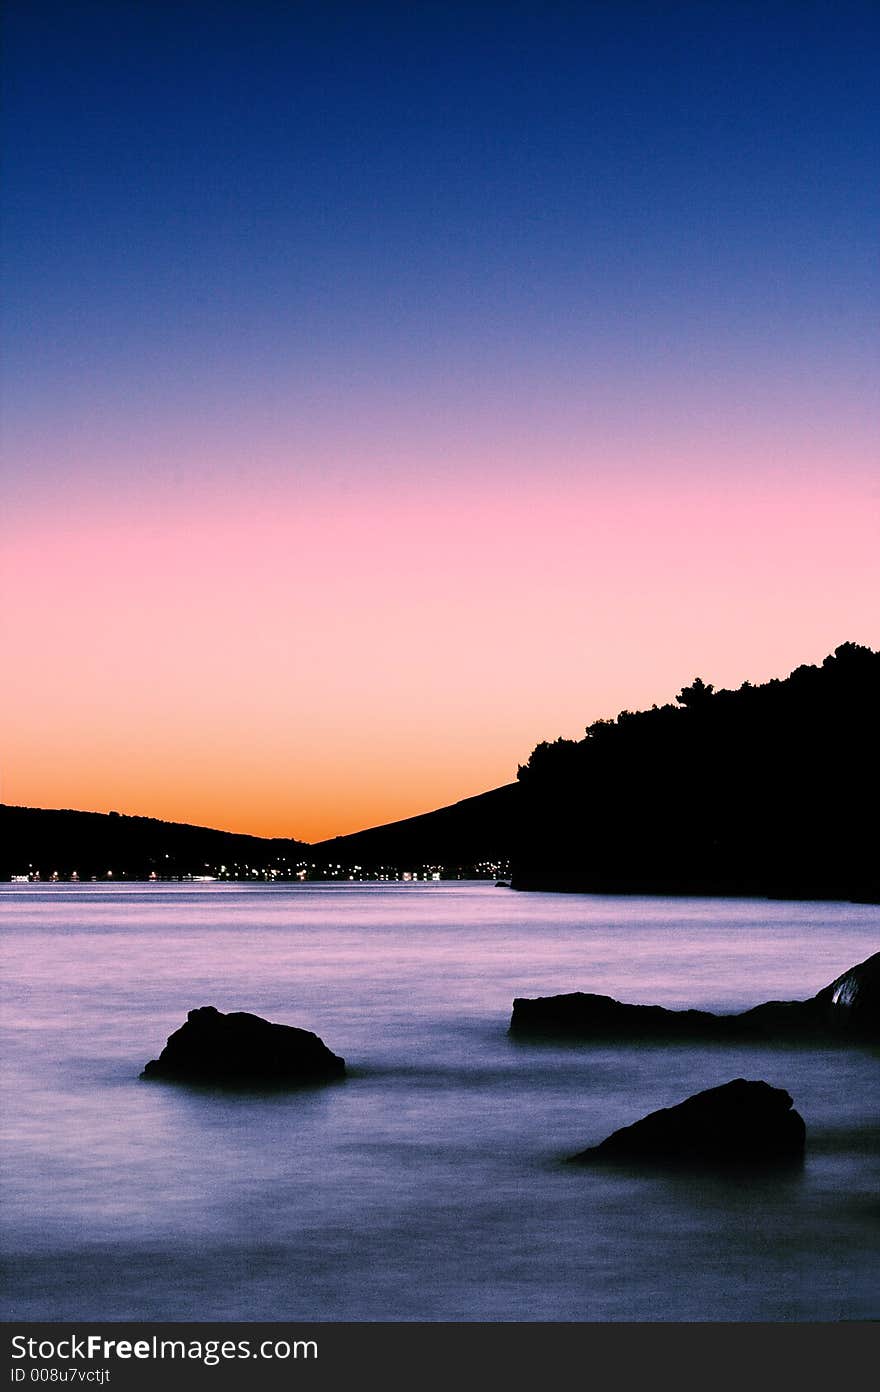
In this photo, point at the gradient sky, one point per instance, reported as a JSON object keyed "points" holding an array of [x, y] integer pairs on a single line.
{"points": [[390, 387]]}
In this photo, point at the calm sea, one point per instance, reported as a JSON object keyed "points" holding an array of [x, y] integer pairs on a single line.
{"points": [[430, 1184]]}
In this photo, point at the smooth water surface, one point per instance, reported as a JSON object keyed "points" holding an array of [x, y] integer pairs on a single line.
{"points": [[430, 1184]]}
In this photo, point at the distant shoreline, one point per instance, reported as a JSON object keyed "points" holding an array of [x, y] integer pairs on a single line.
{"points": [[384, 881]]}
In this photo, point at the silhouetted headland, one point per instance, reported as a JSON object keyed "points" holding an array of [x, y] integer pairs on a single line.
{"points": [[48, 844], [738, 1123], [767, 790], [847, 1009], [473, 836], [243, 1050]]}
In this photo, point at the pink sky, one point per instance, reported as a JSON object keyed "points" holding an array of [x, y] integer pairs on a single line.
{"points": [[305, 661]]}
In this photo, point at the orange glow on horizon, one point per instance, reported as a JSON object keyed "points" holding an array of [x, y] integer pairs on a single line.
{"points": [[309, 666]]}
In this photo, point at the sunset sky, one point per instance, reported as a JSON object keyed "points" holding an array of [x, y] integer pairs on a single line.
{"points": [[390, 387]]}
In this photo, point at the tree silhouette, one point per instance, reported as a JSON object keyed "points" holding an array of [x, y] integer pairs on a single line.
{"points": [[697, 694]]}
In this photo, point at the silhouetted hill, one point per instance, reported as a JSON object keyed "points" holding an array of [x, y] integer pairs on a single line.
{"points": [[49, 842], [475, 833], [769, 789], [473, 836]]}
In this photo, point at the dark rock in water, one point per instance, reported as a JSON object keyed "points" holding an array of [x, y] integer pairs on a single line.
{"points": [[848, 1008], [739, 1123], [243, 1049], [580, 1015], [852, 1002]]}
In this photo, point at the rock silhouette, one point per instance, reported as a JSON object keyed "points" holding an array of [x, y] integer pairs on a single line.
{"points": [[243, 1049], [852, 1001], [849, 1008], [737, 1123]]}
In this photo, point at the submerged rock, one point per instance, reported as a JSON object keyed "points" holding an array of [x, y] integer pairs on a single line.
{"points": [[738, 1123], [243, 1049], [848, 1007]]}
